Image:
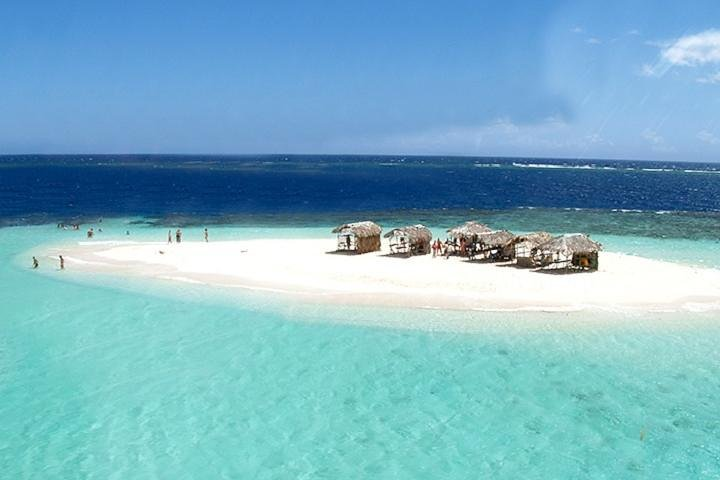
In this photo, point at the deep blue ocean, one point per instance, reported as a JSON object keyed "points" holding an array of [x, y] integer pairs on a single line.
{"points": [[45, 188]]}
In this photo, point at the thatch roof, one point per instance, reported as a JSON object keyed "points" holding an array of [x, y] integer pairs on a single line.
{"points": [[468, 229], [570, 244], [359, 229], [414, 233], [533, 239], [496, 238]]}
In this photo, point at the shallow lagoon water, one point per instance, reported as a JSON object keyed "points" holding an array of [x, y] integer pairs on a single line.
{"points": [[110, 378]]}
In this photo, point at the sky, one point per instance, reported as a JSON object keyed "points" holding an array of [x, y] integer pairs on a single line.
{"points": [[571, 79]]}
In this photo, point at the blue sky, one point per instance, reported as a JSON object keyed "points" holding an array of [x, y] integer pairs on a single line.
{"points": [[635, 80]]}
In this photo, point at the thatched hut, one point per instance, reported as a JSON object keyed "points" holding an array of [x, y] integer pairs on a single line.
{"points": [[358, 237], [410, 240], [491, 244], [467, 231], [521, 247], [462, 237], [573, 251]]}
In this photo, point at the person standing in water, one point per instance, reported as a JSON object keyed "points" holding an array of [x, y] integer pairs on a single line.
{"points": [[62, 263], [169, 236], [35, 263], [206, 235], [178, 236]]}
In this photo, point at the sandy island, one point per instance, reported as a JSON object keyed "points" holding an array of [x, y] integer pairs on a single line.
{"points": [[305, 268]]}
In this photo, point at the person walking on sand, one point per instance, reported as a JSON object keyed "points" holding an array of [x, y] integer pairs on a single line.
{"points": [[169, 236], [206, 235], [35, 263], [178, 236], [62, 262]]}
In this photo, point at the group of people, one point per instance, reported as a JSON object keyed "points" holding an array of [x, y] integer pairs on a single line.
{"points": [[178, 236], [448, 247], [36, 264], [91, 234], [76, 226], [73, 226]]}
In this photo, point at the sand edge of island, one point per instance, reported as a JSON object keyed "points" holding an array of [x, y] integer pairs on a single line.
{"points": [[309, 269]]}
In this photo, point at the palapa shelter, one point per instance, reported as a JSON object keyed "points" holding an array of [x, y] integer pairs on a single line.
{"points": [[521, 247], [492, 244], [410, 240], [573, 251], [468, 231], [360, 237]]}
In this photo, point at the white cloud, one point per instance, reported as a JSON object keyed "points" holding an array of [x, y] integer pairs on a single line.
{"points": [[499, 137], [652, 137], [687, 51], [656, 141], [657, 70], [597, 139], [711, 78], [691, 50], [633, 32], [708, 137], [593, 41], [456, 138], [577, 30], [647, 70]]}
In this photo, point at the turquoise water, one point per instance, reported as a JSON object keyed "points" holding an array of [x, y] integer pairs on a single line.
{"points": [[104, 378]]}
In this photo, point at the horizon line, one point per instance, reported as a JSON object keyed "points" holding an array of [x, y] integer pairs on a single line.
{"points": [[391, 155]]}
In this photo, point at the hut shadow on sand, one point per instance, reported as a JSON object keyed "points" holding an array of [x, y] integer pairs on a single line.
{"points": [[561, 271]]}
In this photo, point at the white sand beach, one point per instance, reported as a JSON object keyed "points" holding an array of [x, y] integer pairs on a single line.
{"points": [[307, 268]]}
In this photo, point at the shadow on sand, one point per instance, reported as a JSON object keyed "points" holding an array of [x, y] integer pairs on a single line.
{"points": [[499, 263], [400, 255], [561, 271], [342, 252]]}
